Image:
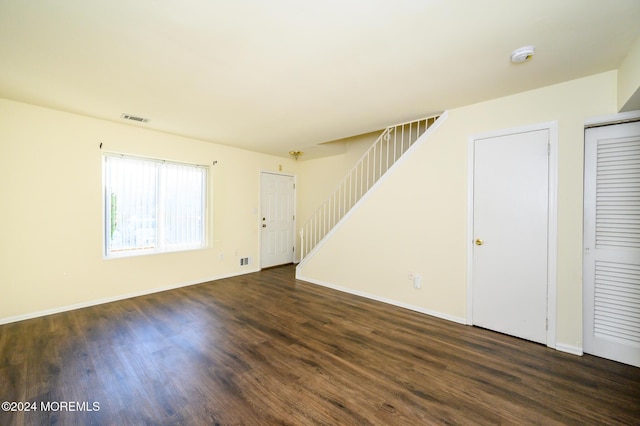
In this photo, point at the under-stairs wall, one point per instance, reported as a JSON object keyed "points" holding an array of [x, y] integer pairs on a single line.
{"points": [[391, 146]]}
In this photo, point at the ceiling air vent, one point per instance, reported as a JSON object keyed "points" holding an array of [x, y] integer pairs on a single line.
{"points": [[134, 118]]}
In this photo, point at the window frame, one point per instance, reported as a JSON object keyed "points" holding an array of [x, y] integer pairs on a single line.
{"points": [[159, 248]]}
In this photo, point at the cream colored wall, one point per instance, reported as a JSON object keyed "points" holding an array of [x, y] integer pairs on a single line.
{"points": [[51, 241], [417, 220], [629, 80], [357, 146], [318, 178]]}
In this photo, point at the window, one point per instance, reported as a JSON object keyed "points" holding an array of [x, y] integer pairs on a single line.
{"points": [[153, 206]]}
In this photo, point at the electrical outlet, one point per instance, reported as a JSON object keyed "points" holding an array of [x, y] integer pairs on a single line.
{"points": [[417, 281]]}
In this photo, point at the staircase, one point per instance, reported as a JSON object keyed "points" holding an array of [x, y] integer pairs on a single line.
{"points": [[385, 151]]}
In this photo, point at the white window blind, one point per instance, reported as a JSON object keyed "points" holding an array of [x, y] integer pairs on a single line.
{"points": [[153, 206]]}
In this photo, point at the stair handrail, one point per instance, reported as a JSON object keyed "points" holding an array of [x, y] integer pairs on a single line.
{"points": [[376, 162]]}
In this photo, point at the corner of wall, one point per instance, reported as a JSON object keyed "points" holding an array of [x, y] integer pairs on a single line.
{"points": [[629, 80]]}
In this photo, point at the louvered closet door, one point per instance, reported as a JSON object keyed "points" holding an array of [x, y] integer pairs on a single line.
{"points": [[612, 243]]}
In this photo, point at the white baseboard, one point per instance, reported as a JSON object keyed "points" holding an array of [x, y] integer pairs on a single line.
{"points": [[87, 304], [559, 346], [384, 300], [569, 349]]}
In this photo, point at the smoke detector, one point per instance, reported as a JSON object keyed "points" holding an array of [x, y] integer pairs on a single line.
{"points": [[522, 54]]}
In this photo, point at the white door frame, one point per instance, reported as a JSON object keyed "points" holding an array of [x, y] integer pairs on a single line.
{"points": [[295, 213], [552, 253]]}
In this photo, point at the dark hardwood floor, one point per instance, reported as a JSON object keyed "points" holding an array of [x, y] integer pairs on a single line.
{"points": [[267, 349]]}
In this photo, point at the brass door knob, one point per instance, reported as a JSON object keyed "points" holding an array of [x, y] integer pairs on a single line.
{"points": [[479, 242]]}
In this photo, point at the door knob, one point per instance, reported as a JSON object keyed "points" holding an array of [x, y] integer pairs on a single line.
{"points": [[479, 242]]}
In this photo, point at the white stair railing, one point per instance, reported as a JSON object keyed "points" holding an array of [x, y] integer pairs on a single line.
{"points": [[385, 151]]}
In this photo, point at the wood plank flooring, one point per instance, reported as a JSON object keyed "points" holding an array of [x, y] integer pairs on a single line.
{"points": [[265, 348]]}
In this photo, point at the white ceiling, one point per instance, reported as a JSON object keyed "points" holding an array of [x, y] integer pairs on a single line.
{"points": [[278, 75]]}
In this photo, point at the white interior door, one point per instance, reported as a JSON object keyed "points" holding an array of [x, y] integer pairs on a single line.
{"points": [[511, 228], [278, 219], [612, 243]]}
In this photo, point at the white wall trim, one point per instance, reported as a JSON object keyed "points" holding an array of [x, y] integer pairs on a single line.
{"points": [[552, 254], [90, 303], [441, 119], [611, 119], [552, 265], [574, 350], [383, 300]]}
